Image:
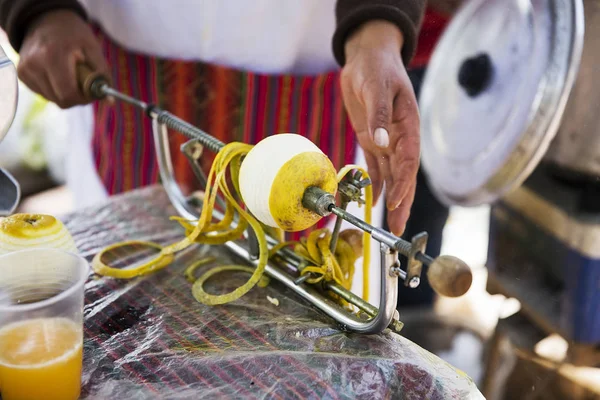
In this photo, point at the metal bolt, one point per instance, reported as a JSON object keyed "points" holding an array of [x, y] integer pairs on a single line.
{"points": [[414, 282], [303, 278], [397, 326], [364, 183], [318, 201], [395, 270]]}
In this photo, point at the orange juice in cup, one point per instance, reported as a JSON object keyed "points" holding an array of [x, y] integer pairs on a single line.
{"points": [[41, 358], [41, 325]]}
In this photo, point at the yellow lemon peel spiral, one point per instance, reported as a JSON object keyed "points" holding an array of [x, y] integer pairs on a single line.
{"points": [[315, 249]]}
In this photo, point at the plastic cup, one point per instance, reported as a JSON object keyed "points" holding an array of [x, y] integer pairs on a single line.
{"points": [[41, 324]]}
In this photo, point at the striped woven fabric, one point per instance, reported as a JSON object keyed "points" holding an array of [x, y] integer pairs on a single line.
{"points": [[231, 105], [148, 338]]}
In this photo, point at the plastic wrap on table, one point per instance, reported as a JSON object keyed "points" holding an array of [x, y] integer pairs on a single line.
{"points": [[149, 338]]}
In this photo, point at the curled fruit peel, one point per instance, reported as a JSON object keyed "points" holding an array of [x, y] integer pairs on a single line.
{"points": [[314, 249]]}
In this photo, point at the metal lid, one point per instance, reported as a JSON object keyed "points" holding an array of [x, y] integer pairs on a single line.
{"points": [[494, 93], [8, 93]]}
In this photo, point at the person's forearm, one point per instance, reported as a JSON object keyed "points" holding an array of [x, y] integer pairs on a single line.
{"points": [[407, 15], [17, 15]]}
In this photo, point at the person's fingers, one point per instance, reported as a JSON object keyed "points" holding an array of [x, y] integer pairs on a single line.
{"points": [[28, 79], [378, 102], [404, 165], [63, 78], [398, 217], [96, 60], [405, 153], [375, 175], [53, 75], [46, 87], [386, 167], [354, 107], [38, 82]]}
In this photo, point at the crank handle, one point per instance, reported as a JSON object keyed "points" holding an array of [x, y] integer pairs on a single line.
{"points": [[449, 276], [96, 86], [91, 83]]}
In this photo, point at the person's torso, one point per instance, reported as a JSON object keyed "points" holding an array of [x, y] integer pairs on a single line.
{"points": [[264, 36]]}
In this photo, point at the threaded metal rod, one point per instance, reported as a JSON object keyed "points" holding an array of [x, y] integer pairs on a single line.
{"points": [[211, 143], [164, 117]]}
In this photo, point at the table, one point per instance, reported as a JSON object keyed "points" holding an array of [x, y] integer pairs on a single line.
{"points": [[148, 338]]}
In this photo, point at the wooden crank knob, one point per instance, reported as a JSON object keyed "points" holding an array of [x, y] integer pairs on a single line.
{"points": [[90, 82], [449, 276]]}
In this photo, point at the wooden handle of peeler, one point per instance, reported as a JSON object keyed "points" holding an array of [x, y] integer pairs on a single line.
{"points": [[449, 276], [89, 81]]}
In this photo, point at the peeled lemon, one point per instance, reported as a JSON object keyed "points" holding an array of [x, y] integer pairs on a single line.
{"points": [[25, 231], [274, 176]]}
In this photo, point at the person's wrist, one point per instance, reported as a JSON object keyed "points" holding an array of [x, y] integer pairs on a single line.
{"points": [[62, 15], [374, 35]]}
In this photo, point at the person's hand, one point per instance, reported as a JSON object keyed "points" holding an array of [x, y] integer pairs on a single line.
{"points": [[53, 45], [382, 107]]}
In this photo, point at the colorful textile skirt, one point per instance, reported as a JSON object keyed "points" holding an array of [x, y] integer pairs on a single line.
{"points": [[231, 105]]}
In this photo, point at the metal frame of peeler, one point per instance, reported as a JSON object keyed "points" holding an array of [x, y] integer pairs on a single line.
{"points": [[451, 274]]}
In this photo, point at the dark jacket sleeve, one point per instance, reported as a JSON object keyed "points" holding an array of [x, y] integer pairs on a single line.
{"points": [[16, 15], [406, 14]]}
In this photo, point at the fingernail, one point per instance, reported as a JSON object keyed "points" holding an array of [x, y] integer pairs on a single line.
{"points": [[381, 138], [392, 207]]}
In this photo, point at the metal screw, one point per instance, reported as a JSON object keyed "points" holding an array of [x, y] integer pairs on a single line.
{"points": [[303, 278], [414, 282], [395, 270], [364, 183], [397, 326]]}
